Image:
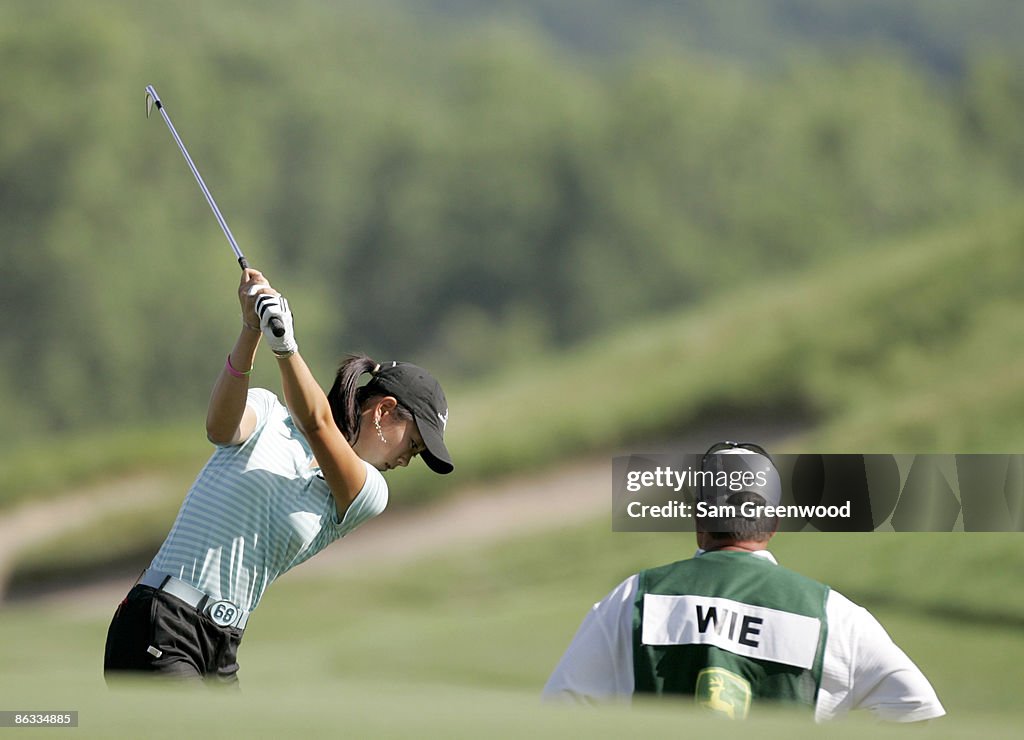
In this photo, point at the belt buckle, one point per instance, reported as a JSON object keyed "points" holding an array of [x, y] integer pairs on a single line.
{"points": [[223, 613]]}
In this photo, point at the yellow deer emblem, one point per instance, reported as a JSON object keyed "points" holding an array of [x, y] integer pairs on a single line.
{"points": [[723, 692], [715, 702]]}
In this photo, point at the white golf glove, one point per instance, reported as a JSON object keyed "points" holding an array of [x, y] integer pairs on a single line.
{"points": [[276, 306]]}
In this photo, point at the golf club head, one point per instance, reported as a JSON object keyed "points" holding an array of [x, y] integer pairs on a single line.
{"points": [[151, 99]]}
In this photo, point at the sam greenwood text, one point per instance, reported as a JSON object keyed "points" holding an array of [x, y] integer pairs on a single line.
{"points": [[747, 509]]}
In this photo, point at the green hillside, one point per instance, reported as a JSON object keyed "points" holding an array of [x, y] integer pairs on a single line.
{"points": [[468, 194], [939, 34], [912, 346]]}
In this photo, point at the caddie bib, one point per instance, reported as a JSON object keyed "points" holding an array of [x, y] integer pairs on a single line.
{"points": [[730, 629]]}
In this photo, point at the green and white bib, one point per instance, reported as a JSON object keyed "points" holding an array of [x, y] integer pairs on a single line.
{"points": [[730, 629]]}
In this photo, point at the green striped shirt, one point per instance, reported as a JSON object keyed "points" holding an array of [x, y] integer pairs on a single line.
{"points": [[258, 509]]}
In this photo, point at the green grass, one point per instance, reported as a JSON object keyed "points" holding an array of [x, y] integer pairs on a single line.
{"points": [[397, 709], [459, 645], [48, 468], [91, 549]]}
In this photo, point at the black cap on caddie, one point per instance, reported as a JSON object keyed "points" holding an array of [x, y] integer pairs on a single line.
{"points": [[732, 474], [419, 391]]}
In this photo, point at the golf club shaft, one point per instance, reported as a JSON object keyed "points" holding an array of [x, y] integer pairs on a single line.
{"points": [[153, 99]]}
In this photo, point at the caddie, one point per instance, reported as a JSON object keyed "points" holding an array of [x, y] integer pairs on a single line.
{"points": [[734, 629]]}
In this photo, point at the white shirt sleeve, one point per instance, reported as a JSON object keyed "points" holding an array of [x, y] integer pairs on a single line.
{"points": [[371, 500], [598, 664], [864, 669], [262, 403]]}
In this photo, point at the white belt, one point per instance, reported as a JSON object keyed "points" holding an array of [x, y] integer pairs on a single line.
{"points": [[222, 612]]}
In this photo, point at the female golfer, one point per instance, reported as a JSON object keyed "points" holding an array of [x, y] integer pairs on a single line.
{"points": [[283, 483]]}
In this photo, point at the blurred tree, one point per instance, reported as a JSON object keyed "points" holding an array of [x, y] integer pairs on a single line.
{"points": [[427, 193]]}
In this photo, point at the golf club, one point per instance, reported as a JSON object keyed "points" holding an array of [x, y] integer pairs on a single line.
{"points": [[153, 99]]}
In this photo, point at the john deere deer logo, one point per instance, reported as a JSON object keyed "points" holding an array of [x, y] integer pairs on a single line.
{"points": [[723, 692]]}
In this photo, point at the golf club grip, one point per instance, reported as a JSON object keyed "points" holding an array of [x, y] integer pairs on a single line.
{"points": [[276, 327]]}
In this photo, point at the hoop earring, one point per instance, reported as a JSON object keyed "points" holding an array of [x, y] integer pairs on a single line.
{"points": [[380, 432]]}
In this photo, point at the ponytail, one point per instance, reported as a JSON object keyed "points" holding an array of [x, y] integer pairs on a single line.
{"points": [[345, 397]]}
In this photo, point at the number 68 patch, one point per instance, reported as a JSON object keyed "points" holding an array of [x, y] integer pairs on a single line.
{"points": [[223, 613]]}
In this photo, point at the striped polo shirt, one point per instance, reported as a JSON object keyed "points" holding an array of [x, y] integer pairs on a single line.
{"points": [[259, 509]]}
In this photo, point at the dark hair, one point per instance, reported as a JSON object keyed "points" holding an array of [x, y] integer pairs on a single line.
{"points": [[347, 397], [739, 527]]}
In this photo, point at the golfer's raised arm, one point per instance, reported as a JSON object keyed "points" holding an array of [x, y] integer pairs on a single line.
{"points": [[228, 421], [343, 470]]}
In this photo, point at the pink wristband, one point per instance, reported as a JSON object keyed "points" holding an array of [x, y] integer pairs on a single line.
{"points": [[235, 372]]}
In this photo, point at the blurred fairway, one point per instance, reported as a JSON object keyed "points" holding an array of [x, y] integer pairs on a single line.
{"points": [[459, 645]]}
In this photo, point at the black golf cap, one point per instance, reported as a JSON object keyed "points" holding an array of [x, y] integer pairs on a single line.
{"points": [[419, 391], [732, 468], [736, 473]]}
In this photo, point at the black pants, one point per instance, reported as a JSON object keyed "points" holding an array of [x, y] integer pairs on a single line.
{"points": [[155, 633]]}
